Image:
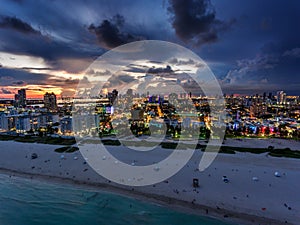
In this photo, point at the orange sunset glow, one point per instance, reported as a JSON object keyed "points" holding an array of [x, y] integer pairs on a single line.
{"points": [[43, 77]]}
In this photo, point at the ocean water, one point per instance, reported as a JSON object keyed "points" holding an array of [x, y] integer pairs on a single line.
{"points": [[31, 202]]}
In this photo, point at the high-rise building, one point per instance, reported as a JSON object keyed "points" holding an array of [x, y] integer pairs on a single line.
{"points": [[50, 101], [281, 97], [66, 125], [129, 92], [129, 96], [270, 95], [20, 98], [22, 123], [112, 96], [264, 96]]}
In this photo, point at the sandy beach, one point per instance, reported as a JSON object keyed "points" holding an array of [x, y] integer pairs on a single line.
{"points": [[263, 143], [253, 194]]}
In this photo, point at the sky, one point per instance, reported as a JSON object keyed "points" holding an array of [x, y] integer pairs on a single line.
{"points": [[250, 46]]}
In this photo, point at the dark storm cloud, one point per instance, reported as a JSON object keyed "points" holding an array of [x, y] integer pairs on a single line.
{"points": [[126, 78], [36, 68], [119, 80], [135, 68], [160, 70], [195, 20], [59, 55], [63, 39], [155, 62], [10, 77], [15, 77], [64, 83], [110, 33], [58, 32], [59, 39], [16, 24]]}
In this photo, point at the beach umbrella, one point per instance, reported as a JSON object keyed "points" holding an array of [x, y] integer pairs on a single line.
{"points": [[277, 174], [34, 156], [225, 179]]}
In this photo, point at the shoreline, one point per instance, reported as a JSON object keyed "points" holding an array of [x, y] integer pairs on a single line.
{"points": [[225, 202], [169, 202]]}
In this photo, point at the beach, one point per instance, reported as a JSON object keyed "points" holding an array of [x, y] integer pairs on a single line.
{"points": [[263, 143], [253, 194]]}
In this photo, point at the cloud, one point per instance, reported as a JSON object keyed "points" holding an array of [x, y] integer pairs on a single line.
{"points": [[160, 70], [57, 54], [36, 68], [180, 62], [155, 62], [67, 92], [19, 77], [135, 68], [5, 78], [126, 78], [5, 91], [17, 24], [264, 81], [252, 75], [66, 43], [119, 80], [274, 68], [19, 83], [247, 67], [63, 43], [295, 52], [92, 72], [9, 77], [195, 20], [110, 33]]}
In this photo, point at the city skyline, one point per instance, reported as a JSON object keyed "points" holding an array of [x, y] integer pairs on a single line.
{"points": [[14, 98], [248, 54], [149, 112]]}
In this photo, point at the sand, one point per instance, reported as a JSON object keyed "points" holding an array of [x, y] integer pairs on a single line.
{"points": [[268, 200], [263, 143]]}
